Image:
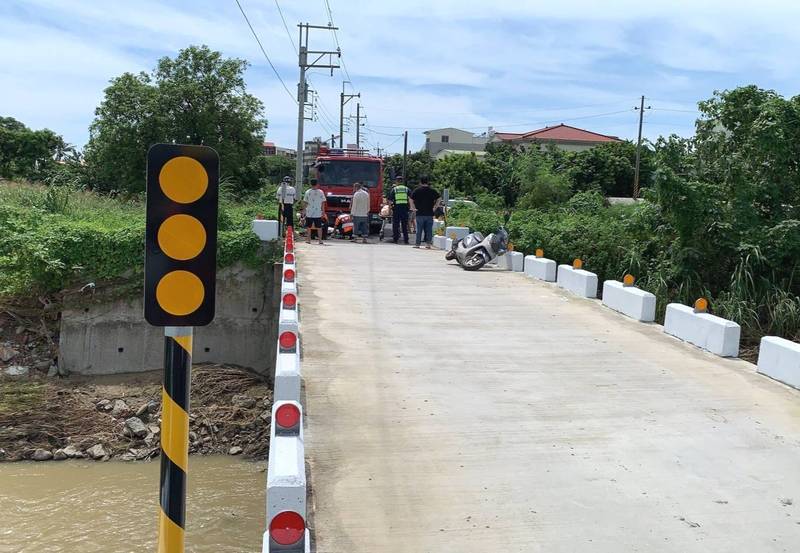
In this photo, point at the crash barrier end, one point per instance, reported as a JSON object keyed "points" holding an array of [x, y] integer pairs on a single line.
{"points": [[578, 281], [629, 300], [539, 267], [266, 230], [456, 233], [706, 331], [511, 261], [779, 358]]}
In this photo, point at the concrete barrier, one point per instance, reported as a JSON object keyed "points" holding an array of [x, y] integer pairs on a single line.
{"points": [[709, 332], [287, 375], [289, 320], [286, 475], [459, 232], [579, 282], [511, 261], [780, 359], [541, 268], [265, 230], [448, 244], [629, 300], [437, 225], [439, 242]]}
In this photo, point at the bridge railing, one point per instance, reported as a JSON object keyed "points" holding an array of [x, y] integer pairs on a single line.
{"points": [[286, 511]]}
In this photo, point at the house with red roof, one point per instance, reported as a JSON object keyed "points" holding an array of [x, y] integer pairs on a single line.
{"points": [[563, 137]]}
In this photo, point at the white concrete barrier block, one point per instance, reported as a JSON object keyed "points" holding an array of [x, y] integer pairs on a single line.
{"points": [[579, 282], [288, 320], [288, 287], [287, 376], [456, 232], [541, 268], [511, 261], [780, 359], [448, 244], [712, 333], [629, 300], [439, 242], [286, 473], [266, 230]]}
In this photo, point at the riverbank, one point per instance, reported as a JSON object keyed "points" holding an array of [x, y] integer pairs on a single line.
{"points": [[102, 418]]}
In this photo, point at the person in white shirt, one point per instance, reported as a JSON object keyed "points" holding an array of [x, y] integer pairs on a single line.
{"points": [[286, 195], [359, 209], [314, 202]]}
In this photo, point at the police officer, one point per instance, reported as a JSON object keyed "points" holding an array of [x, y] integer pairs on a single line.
{"points": [[399, 198], [286, 195]]}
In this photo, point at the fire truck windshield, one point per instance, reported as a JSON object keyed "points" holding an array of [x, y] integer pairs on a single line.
{"points": [[346, 173]]}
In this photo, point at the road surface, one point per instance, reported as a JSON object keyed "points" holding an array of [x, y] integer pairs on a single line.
{"points": [[484, 412]]}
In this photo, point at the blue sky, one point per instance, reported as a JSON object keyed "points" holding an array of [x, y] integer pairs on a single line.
{"points": [[514, 65]]}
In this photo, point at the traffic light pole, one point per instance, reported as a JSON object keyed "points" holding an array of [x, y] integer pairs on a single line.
{"points": [[174, 438], [304, 64]]}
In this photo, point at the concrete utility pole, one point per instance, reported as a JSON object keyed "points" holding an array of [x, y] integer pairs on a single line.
{"points": [[358, 126], [641, 109], [343, 99], [405, 154], [302, 89]]}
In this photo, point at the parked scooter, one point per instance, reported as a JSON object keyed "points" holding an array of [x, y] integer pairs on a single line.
{"points": [[474, 251]]}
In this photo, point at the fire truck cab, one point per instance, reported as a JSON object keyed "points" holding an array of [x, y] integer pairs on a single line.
{"points": [[338, 169]]}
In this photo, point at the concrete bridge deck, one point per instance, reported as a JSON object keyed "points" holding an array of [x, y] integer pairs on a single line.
{"points": [[484, 412]]}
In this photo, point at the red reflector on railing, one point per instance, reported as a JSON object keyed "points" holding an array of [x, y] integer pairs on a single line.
{"points": [[287, 528], [288, 340], [288, 275], [288, 258], [289, 301], [287, 416]]}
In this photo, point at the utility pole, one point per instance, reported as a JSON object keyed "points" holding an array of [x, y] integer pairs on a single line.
{"points": [[641, 109], [405, 154], [343, 99], [302, 88], [358, 126]]}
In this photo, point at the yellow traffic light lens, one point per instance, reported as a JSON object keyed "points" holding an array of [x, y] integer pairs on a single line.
{"points": [[180, 293], [181, 237], [183, 180]]}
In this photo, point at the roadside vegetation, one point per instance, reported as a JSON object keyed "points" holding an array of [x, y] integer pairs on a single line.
{"points": [[720, 215]]}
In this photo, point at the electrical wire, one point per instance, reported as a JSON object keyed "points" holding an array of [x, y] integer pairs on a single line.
{"points": [[263, 51], [285, 26], [336, 38]]}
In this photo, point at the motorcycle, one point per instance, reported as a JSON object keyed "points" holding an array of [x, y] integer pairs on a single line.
{"points": [[474, 250]]}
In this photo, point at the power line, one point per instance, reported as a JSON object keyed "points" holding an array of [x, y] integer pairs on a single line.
{"points": [[285, 26], [263, 51], [336, 38]]}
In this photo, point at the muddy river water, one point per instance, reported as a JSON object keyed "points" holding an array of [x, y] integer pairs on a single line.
{"points": [[112, 507]]}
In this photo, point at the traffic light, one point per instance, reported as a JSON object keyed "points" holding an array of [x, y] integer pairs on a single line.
{"points": [[181, 235]]}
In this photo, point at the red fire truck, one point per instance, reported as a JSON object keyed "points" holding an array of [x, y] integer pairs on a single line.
{"points": [[337, 170]]}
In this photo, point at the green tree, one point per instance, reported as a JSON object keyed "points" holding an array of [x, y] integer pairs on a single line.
{"points": [[464, 174], [268, 170], [27, 153], [610, 168], [198, 97], [418, 164]]}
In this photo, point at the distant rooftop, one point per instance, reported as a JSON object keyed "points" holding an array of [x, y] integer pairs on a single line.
{"points": [[560, 132]]}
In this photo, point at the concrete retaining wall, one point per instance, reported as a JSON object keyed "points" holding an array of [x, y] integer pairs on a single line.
{"points": [[579, 282], [102, 335], [712, 333], [629, 300], [541, 268], [780, 359], [511, 261]]}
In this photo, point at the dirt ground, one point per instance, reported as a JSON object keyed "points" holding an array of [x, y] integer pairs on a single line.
{"points": [[43, 418]]}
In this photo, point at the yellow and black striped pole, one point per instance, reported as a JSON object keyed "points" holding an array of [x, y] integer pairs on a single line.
{"points": [[174, 438]]}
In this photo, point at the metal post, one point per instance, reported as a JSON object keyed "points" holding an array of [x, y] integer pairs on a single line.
{"points": [[174, 438], [341, 118], [301, 112], [405, 154]]}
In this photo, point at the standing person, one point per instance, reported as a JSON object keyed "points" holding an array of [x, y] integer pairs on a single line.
{"points": [[286, 195], [359, 209], [399, 198], [424, 200], [314, 204]]}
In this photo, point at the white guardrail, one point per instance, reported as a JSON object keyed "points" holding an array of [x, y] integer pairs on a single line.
{"points": [[287, 531]]}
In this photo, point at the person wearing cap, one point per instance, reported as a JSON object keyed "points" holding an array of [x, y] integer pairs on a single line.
{"points": [[286, 195], [359, 209], [399, 197], [314, 203]]}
